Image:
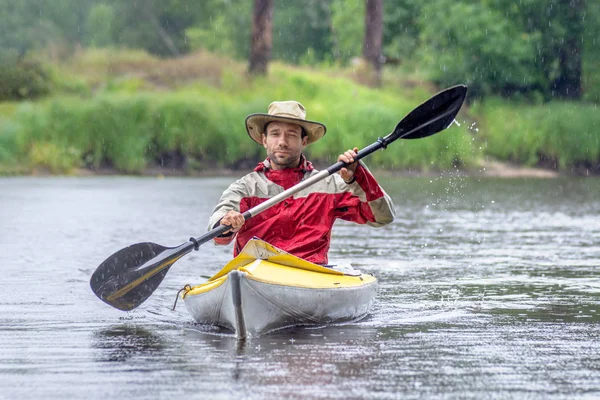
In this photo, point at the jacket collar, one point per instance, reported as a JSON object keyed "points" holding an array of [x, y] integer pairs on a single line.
{"points": [[305, 165]]}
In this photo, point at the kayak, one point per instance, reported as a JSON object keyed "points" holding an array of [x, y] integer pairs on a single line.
{"points": [[265, 289]]}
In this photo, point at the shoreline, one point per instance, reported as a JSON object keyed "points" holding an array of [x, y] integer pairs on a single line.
{"points": [[495, 169], [507, 170]]}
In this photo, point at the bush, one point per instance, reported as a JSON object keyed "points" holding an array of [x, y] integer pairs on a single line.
{"points": [[23, 80], [56, 159], [560, 135], [8, 142]]}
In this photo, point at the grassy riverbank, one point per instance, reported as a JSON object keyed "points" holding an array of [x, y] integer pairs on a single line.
{"points": [[128, 112], [563, 136]]}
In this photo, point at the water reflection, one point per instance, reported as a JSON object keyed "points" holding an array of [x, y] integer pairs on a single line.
{"points": [[297, 360], [120, 343], [223, 343]]}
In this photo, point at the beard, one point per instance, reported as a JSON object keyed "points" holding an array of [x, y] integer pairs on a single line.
{"points": [[282, 161]]}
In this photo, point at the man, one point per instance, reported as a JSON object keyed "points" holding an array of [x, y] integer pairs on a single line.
{"points": [[300, 225]]}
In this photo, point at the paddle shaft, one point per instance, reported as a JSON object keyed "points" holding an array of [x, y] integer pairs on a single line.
{"points": [[195, 243], [254, 211]]}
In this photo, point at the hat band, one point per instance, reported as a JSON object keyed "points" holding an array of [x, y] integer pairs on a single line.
{"points": [[286, 115]]}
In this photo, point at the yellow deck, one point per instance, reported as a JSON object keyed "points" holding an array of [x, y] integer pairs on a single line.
{"points": [[263, 262], [278, 274]]}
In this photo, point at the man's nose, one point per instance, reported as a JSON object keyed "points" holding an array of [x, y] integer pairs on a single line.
{"points": [[283, 140]]}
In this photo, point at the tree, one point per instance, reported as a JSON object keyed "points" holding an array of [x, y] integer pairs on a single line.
{"points": [[558, 29], [261, 44], [374, 36], [29, 24], [302, 31], [224, 27], [400, 30], [347, 28], [156, 26], [476, 44], [99, 30], [570, 52]]}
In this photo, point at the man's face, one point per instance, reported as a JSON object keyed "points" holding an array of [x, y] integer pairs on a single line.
{"points": [[284, 144]]}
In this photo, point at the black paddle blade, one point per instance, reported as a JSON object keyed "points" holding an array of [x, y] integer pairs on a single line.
{"points": [[128, 277], [435, 115]]}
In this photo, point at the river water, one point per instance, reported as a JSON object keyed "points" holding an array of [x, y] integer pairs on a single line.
{"points": [[489, 288]]}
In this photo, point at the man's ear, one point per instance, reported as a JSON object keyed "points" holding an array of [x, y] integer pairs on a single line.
{"points": [[264, 140], [304, 140]]}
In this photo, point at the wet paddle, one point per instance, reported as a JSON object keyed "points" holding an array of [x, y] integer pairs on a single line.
{"points": [[128, 277]]}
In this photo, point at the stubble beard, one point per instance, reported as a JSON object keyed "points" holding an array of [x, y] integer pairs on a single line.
{"points": [[290, 161]]}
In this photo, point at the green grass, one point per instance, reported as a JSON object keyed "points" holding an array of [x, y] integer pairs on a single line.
{"points": [[561, 135], [127, 110], [131, 130]]}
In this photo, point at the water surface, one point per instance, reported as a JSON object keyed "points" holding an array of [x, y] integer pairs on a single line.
{"points": [[489, 288]]}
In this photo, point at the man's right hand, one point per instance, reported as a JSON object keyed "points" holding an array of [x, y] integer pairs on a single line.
{"points": [[233, 219]]}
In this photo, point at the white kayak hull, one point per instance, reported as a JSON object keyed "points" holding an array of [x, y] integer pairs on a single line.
{"points": [[263, 296], [267, 307]]}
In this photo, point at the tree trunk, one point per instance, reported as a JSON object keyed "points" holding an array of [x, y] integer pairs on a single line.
{"points": [[568, 83], [262, 40], [374, 36]]}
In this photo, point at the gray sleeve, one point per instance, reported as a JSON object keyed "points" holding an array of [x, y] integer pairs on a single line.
{"points": [[230, 200], [382, 208]]}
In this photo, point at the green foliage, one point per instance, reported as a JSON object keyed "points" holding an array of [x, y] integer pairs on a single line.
{"points": [[591, 56], [205, 125], [591, 81], [157, 26], [51, 26], [400, 30], [472, 43], [223, 27], [65, 83], [99, 29], [301, 28], [18, 26], [67, 133], [54, 159], [347, 25], [498, 47], [561, 28], [559, 135], [528, 48], [23, 80], [8, 142]]}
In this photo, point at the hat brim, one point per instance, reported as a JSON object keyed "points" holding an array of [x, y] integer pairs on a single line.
{"points": [[256, 123]]}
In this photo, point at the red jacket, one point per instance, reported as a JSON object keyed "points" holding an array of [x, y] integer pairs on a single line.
{"points": [[301, 225]]}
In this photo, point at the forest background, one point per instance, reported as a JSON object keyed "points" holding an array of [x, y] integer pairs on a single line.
{"points": [[132, 86]]}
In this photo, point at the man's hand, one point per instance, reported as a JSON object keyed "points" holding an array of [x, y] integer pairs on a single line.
{"points": [[233, 219], [347, 173]]}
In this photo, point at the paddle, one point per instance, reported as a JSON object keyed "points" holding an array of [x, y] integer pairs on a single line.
{"points": [[128, 277]]}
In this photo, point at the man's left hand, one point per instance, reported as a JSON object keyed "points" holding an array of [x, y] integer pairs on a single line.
{"points": [[347, 173]]}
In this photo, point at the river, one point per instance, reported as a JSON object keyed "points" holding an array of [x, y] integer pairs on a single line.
{"points": [[489, 288]]}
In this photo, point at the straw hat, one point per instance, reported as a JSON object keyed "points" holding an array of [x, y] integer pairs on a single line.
{"points": [[284, 111]]}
